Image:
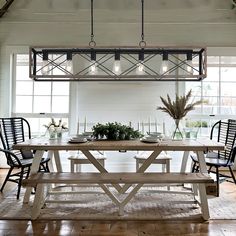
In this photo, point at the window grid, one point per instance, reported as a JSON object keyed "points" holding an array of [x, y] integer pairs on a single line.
{"points": [[222, 99], [36, 117]]}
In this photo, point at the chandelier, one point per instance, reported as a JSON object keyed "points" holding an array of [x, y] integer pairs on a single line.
{"points": [[116, 63]]}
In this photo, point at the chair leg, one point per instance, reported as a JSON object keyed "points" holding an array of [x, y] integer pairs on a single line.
{"points": [[193, 166], [28, 172], [47, 167], [19, 183], [217, 182], [43, 167], [209, 170], [6, 179], [232, 174]]}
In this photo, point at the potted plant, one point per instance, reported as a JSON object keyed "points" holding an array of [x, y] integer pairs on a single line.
{"points": [[114, 131], [55, 129], [178, 109], [192, 128]]}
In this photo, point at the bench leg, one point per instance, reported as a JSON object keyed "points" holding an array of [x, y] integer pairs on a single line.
{"points": [[72, 166], [128, 198], [121, 210], [38, 201], [78, 168], [204, 203], [34, 169], [168, 171]]}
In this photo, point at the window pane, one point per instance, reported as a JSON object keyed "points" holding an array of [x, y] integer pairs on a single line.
{"points": [[210, 105], [60, 88], [228, 89], [24, 104], [42, 88], [228, 74], [42, 104], [22, 59], [24, 88], [60, 104], [212, 74], [228, 60], [22, 73], [213, 60], [195, 87], [228, 105], [210, 88]]}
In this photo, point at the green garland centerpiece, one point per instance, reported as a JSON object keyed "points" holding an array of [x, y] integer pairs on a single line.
{"points": [[178, 109], [114, 131]]}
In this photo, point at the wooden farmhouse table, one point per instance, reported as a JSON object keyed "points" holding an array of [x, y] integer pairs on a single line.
{"points": [[40, 145]]}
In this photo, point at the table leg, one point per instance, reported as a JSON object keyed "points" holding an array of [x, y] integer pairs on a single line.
{"points": [[202, 187], [184, 162], [57, 160], [98, 165], [202, 162], [203, 201], [143, 167], [34, 169], [51, 167]]}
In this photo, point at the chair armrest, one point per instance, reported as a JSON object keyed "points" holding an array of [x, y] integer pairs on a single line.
{"points": [[11, 157]]}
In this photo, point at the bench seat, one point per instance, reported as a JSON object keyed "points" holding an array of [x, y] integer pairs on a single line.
{"points": [[115, 178], [42, 180]]}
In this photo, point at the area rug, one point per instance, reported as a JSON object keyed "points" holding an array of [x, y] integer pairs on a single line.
{"points": [[144, 206]]}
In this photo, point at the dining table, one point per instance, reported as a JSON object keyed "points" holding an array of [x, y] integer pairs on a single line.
{"points": [[53, 147]]}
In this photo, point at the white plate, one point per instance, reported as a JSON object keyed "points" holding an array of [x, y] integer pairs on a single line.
{"points": [[77, 140], [149, 140]]}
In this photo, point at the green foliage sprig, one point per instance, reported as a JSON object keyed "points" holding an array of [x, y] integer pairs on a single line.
{"points": [[197, 123], [178, 108], [114, 131]]}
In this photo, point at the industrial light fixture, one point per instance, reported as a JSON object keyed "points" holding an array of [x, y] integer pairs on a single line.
{"points": [[164, 64], [69, 63], [45, 66], [189, 63], [116, 63]]}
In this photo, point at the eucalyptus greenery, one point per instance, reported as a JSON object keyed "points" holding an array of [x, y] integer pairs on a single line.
{"points": [[114, 131], [178, 108]]}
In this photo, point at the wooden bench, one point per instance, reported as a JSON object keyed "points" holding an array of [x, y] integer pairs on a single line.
{"points": [[40, 180]]}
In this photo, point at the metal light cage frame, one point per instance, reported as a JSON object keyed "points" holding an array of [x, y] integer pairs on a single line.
{"points": [[130, 57]]}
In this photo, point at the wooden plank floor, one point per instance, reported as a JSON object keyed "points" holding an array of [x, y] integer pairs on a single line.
{"points": [[115, 228]]}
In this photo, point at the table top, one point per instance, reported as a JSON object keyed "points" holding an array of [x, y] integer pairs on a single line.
{"points": [[105, 145]]}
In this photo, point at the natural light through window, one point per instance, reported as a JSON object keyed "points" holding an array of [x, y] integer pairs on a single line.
{"points": [[38, 101]]}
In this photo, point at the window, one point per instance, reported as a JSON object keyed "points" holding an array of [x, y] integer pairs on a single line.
{"points": [[217, 90], [38, 101]]}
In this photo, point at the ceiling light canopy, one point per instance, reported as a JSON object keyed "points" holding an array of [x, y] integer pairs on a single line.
{"points": [[116, 63]]}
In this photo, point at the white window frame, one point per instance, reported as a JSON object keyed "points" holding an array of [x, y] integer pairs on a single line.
{"points": [[13, 93]]}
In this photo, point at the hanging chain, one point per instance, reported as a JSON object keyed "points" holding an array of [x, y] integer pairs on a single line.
{"points": [[142, 43], [92, 43]]}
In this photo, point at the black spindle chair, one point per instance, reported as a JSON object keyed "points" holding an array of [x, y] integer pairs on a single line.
{"points": [[223, 132], [12, 131]]}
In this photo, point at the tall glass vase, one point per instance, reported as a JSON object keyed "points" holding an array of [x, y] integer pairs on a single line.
{"points": [[177, 133]]}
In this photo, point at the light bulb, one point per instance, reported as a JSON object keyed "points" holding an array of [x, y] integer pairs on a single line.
{"points": [[189, 66], [45, 68], [93, 67], [117, 67], [189, 63], [140, 68], [69, 66], [164, 67]]}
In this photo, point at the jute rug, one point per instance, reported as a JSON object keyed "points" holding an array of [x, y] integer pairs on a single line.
{"points": [[144, 206]]}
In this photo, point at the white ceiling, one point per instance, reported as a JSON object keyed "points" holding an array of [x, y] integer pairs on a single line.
{"points": [[202, 22]]}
